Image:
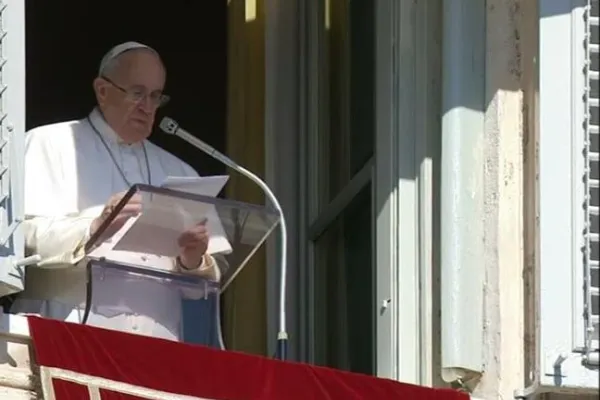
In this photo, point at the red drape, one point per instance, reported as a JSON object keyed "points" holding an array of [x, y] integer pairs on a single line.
{"points": [[200, 371]]}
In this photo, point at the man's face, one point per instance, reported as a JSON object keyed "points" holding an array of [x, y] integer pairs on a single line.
{"points": [[130, 96]]}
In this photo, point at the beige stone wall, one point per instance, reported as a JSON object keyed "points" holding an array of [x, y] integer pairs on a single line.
{"points": [[508, 79], [511, 201]]}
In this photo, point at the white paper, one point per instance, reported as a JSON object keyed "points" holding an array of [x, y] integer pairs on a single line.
{"points": [[204, 186], [156, 230]]}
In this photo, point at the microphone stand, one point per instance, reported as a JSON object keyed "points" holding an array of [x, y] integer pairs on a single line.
{"points": [[171, 127]]}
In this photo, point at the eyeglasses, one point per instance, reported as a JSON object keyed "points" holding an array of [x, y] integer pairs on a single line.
{"points": [[138, 93]]}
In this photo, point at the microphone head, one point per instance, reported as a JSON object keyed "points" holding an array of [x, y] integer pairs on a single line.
{"points": [[169, 125]]}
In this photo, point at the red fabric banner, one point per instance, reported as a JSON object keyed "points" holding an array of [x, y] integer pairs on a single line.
{"points": [[199, 371]]}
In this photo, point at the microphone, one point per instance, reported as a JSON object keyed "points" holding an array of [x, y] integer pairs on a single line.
{"points": [[171, 127]]}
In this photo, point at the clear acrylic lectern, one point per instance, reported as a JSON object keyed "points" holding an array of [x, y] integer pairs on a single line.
{"points": [[134, 283]]}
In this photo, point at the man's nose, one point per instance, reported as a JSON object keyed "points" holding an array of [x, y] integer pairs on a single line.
{"points": [[147, 105]]}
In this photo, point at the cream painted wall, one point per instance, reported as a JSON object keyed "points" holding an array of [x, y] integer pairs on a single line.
{"points": [[244, 302]]}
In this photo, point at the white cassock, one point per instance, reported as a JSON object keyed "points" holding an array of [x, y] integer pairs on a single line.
{"points": [[69, 176]]}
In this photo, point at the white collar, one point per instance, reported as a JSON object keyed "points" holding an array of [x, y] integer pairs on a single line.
{"points": [[98, 121]]}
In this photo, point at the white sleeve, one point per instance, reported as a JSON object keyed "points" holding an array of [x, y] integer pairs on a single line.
{"points": [[210, 272], [54, 228], [60, 241]]}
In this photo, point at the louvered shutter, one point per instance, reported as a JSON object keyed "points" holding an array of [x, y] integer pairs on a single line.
{"points": [[12, 131], [590, 179], [567, 317]]}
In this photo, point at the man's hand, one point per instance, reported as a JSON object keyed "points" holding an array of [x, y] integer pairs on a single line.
{"points": [[193, 244], [131, 209]]}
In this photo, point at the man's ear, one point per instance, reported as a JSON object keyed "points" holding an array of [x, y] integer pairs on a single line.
{"points": [[100, 88]]}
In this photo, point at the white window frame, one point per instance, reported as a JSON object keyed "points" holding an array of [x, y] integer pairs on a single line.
{"points": [[12, 98], [404, 249], [408, 140], [406, 133], [561, 196], [317, 217]]}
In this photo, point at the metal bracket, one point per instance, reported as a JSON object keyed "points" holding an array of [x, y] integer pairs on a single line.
{"points": [[27, 261], [592, 359], [528, 393]]}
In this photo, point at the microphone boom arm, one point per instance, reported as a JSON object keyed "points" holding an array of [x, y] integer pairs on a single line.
{"points": [[171, 127]]}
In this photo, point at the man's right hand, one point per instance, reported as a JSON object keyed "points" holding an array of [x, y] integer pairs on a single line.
{"points": [[131, 209]]}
